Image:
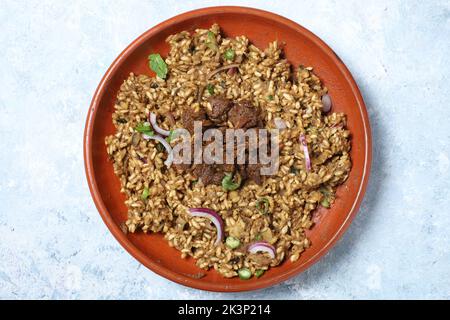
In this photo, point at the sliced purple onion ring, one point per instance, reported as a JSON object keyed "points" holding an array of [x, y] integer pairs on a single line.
{"points": [[326, 103], [262, 246], [152, 119], [166, 145], [231, 71], [305, 152], [228, 66], [215, 219]]}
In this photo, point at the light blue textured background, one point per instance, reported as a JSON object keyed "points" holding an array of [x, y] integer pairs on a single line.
{"points": [[53, 243]]}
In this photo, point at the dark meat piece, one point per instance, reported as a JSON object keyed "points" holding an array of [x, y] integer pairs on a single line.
{"points": [[235, 260], [219, 109], [253, 173], [181, 167], [189, 117], [242, 171], [208, 174], [228, 167], [244, 115], [211, 173], [224, 166], [171, 119], [250, 172]]}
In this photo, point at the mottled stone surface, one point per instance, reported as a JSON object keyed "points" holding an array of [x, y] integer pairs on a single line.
{"points": [[53, 243]]}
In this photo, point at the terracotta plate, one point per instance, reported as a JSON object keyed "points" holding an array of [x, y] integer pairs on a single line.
{"points": [[302, 47]]}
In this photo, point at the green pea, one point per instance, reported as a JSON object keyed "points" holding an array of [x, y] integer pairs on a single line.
{"points": [[244, 274], [232, 242]]}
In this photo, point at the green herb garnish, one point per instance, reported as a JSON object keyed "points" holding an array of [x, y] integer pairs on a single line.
{"points": [[229, 54], [170, 137], [259, 273], [263, 205], [244, 274], [326, 196], [270, 97], [325, 203], [258, 237], [210, 88], [145, 193], [228, 184], [232, 242], [158, 65], [145, 128], [211, 41]]}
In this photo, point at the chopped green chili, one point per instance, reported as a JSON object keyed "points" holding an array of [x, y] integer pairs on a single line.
{"points": [[210, 88], [145, 193], [259, 273], [228, 182], [263, 205], [229, 54]]}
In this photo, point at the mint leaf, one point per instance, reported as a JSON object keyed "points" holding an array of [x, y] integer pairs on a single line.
{"points": [[211, 41], [158, 65], [145, 193], [229, 54], [263, 205], [170, 136], [228, 184], [145, 128], [210, 89]]}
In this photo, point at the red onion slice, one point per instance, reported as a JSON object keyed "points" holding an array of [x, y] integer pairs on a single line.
{"points": [[305, 152], [152, 119], [262, 246], [231, 71], [215, 219], [166, 145], [229, 66], [326, 103]]}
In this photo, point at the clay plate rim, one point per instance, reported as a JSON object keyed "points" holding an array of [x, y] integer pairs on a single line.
{"points": [[133, 250]]}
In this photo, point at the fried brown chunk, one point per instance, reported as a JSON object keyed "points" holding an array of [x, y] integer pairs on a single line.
{"points": [[219, 109], [244, 115]]}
